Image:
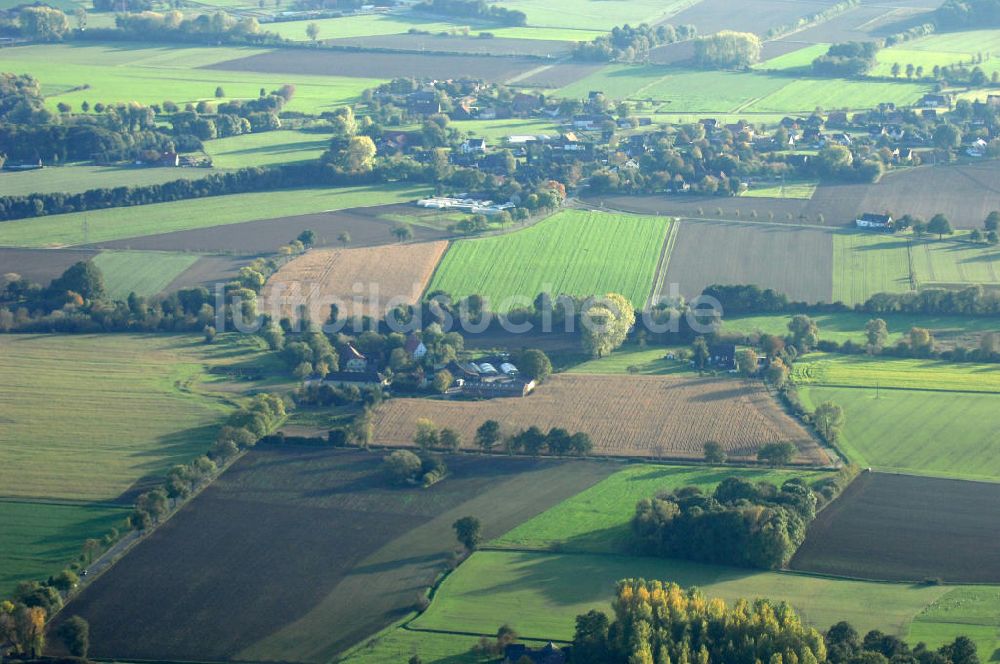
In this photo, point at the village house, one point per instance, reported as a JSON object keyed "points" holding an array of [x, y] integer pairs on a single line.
{"points": [[474, 146], [723, 356], [414, 347], [423, 102], [870, 220], [351, 359]]}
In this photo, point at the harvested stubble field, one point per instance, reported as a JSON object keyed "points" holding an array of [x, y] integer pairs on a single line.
{"points": [[388, 65], [366, 226], [459, 44], [902, 528], [337, 552], [792, 260], [710, 16], [630, 416], [361, 282]]}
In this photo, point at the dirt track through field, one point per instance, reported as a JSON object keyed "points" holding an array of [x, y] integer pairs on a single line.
{"points": [[639, 416], [362, 282]]}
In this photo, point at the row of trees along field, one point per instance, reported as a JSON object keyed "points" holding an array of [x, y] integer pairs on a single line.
{"points": [[661, 623], [631, 44]]}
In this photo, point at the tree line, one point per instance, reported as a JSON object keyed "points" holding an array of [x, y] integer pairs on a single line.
{"points": [[654, 622], [631, 44]]}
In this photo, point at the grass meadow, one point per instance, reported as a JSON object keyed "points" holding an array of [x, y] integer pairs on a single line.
{"points": [[140, 272], [946, 49], [799, 190], [76, 178], [597, 519], [266, 148], [572, 252], [692, 91], [590, 15], [540, 594], [39, 538], [87, 416], [127, 222], [921, 432], [865, 264], [632, 360], [912, 374], [841, 327], [111, 73]]}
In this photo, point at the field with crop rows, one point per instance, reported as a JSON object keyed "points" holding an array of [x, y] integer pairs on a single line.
{"points": [[868, 263], [572, 252], [363, 551], [141, 272], [882, 527], [642, 416], [794, 261], [100, 226], [362, 282], [944, 434], [914, 374]]}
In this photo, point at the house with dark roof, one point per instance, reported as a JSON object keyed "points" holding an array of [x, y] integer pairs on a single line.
{"points": [[869, 220], [722, 356], [351, 359]]}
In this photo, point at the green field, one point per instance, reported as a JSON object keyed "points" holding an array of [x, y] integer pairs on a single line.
{"points": [[497, 130], [944, 50], [79, 177], [806, 95], [126, 222], [399, 645], [917, 374], [141, 272], [573, 252], [87, 418], [974, 608], [266, 148], [868, 263], [803, 57], [690, 91], [150, 75], [799, 190], [370, 25], [841, 327], [593, 14], [646, 361], [597, 519], [944, 434], [540, 594], [951, 262], [38, 539]]}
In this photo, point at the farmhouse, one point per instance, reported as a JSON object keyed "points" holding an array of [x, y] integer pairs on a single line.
{"points": [[876, 221], [414, 347], [474, 146], [723, 356]]}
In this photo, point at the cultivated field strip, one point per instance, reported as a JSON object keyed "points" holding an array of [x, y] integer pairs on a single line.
{"points": [[792, 260], [883, 527], [631, 416], [365, 281]]}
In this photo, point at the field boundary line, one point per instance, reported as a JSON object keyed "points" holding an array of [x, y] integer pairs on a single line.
{"points": [[660, 275], [896, 388]]}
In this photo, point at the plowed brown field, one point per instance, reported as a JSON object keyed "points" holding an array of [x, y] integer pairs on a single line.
{"points": [[639, 416], [365, 281]]}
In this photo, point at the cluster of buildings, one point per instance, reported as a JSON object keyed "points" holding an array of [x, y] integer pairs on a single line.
{"points": [[467, 205]]}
